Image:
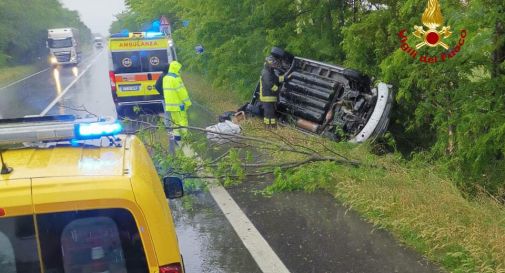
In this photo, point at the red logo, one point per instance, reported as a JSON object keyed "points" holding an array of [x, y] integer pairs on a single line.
{"points": [[432, 37]]}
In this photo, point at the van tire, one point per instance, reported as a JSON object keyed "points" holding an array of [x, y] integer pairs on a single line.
{"points": [[277, 52]]}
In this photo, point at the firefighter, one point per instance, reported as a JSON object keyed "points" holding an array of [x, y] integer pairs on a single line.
{"points": [[270, 84], [177, 100]]}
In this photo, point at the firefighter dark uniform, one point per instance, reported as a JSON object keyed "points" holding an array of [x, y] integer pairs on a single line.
{"points": [[177, 100], [269, 90]]}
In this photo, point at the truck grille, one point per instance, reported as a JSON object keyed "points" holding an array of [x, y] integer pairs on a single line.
{"points": [[62, 56]]}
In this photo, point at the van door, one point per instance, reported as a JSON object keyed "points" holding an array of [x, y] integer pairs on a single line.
{"points": [[136, 72], [154, 63], [127, 67]]}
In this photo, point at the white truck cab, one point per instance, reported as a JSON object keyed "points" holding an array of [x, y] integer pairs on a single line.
{"points": [[64, 46], [98, 41]]}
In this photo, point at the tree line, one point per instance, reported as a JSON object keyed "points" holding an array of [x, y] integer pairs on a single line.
{"points": [[23, 29], [449, 110]]}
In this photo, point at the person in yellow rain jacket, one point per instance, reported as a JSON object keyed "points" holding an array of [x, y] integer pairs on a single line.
{"points": [[177, 100]]}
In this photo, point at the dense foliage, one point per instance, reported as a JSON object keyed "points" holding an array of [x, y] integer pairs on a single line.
{"points": [[23, 28], [452, 111]]}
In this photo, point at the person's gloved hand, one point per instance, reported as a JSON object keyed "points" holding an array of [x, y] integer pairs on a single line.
{"points": [[182, 107]]}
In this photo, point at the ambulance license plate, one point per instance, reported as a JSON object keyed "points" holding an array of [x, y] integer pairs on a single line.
{"points": [[135, 87]]}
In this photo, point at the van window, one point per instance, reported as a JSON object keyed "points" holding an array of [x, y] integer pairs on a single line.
{"points": [[126, 62], [154, 60], [140, 61], [18, 247], [91, 241]]}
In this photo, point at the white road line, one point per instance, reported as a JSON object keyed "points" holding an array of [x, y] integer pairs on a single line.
{"points": [[57, 99], [258, 247], [260, 250], [25, 78]]}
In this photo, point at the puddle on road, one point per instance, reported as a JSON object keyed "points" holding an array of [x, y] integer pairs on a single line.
{"points": [[208, 242]]}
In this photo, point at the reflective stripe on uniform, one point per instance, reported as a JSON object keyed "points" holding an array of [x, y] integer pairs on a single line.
{"points": [[174, 88], [268, 98], [269, 121], [275, 88]]}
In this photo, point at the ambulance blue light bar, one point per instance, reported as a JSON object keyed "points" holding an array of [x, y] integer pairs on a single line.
{"points": [[123, 34], [56, 129], [154, 34], [96, 130]]}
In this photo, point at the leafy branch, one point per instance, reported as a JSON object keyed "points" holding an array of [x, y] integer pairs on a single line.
{"points": [[234, 162]]}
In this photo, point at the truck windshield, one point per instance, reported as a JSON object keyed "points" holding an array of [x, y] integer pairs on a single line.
{"points": [[140, 61], [60, 43]]}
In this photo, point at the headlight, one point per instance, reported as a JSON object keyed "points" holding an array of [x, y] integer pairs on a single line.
{"points": [[53, 60]]}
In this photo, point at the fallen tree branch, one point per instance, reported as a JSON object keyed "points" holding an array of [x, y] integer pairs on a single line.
{"points": [[296, 163], [244, 142]]}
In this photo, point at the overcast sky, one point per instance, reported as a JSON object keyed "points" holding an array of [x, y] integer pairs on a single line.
{"points": [[96, 14]]}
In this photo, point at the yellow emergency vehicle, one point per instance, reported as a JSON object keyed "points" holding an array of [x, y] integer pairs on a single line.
{"points": [[137, 60], [69, 203]]}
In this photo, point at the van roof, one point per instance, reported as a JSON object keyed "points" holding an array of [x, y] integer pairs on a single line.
{"points": [[65, 161]]}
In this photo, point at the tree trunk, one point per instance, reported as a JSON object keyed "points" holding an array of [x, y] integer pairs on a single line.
{"points": [[450, 142], [450, 135], [499, 52]]}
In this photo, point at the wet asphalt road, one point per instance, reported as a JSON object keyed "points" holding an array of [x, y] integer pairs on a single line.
{"points": [[309, 232]]}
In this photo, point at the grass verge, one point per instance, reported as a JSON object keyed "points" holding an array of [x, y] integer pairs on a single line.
{"points": [[214, 99], [12, 74], [415, 201]]}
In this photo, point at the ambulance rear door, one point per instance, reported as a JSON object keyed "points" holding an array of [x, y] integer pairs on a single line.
{"points": [[136, 68]]}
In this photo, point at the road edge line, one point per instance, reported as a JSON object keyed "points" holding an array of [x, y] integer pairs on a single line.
{"points": [[64, 92], [262, 253]]}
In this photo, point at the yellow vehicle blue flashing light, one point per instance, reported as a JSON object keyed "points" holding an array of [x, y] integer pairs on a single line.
{"points": [[97, 129]]}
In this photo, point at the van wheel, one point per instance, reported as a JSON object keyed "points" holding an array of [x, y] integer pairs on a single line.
{"points": [[277, 52], [352, 74]]}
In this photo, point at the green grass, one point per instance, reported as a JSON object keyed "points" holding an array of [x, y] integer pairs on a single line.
{"points": [[12, 74], [215, 99], [414, 200]]}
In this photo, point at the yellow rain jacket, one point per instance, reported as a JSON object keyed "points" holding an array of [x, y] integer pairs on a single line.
{"points": [[174, 90]]}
